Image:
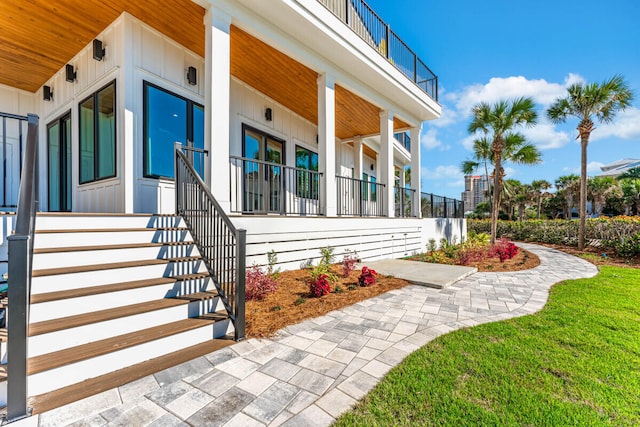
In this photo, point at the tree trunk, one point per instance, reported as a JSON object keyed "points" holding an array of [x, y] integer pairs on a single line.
{"points": [[539, 203], [497, 175], [584, 141]]}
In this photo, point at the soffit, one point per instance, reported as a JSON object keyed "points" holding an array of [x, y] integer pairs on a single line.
{"points": [[38, 37]]}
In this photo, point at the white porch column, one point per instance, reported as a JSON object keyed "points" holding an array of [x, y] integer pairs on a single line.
{"points": [[357, 158], [217, 58], [327, 142], [415, 171], [386, 160]]}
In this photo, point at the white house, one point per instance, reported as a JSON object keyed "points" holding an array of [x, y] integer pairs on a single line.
{"points": [[300, 115]]}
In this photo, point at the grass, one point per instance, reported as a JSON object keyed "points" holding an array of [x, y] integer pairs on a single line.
{"points": [[576, 362]]}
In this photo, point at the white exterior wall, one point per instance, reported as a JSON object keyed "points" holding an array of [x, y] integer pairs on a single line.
{"points": [[92, 75], [298, 239], [157, 59]]}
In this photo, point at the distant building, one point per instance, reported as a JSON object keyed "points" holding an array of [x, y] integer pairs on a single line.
{"points": [[475, 191], [619, 167]]}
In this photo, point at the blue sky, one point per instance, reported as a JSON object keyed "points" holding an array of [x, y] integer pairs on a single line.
{"points": [[493, 49]]}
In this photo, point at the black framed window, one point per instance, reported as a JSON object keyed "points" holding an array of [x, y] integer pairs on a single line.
{"points": [[169, 118], [307, 183], [97, 121], [365, 186]]}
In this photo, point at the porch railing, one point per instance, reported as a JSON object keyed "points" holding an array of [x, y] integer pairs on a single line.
{"points": [[404, 139], [359, 198], [361, 18], [221, 245], [404, 201], [20, 270], [12, 133], [261, 187], [434, 206]]}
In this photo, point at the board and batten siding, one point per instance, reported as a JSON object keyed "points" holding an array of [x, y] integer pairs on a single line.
{"points": [[157, 59]]}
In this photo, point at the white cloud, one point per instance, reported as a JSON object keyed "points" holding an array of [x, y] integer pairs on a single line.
{"points": [[441, 172], [467, 142], [429, 140], [626, 125], [592, 168], [447, 117], [545, 136], [498, 88]]}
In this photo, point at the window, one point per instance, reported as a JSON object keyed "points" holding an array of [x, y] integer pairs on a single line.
{"points": [[169, 118], [365, 186], [98, 135], [307, 183], [373, 189]]}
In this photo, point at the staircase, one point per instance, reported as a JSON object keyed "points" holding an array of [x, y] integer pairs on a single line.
{"points": [[115, 298]]}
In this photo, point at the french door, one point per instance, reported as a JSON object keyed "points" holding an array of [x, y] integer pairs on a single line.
{"points": [[263, 180], [59, 163]]}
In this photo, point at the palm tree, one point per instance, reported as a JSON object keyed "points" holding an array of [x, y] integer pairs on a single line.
{"points": [[631, 173], [539, 185], [497, 123], [568, 185], [481, 153], [584, 101], [631, 194], [599, 188]]}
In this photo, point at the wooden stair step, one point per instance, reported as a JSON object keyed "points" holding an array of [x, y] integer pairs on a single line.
{"points": [[107, 230], [3, 334], [68, 322], [110, 266], [108, 247], [54, 399], [198, 296], [93, 349], [114, 287]]}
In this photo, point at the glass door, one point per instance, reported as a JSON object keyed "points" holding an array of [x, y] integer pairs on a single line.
{"points": [[262, 177], [59, 164]]}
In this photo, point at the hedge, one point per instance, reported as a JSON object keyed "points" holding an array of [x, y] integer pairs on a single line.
{"points": [[620, 234]]}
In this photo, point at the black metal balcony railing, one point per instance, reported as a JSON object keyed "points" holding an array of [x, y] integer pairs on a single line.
{"points": [[404, 139], [359, 16], [441, 207], [403, 201], [359, 198], [261, 187]]}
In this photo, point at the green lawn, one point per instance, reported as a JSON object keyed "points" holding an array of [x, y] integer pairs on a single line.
{"points": [[577, 362]]}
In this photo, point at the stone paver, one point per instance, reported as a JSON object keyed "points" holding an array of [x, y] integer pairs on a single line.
{"points": [[314, 371]]}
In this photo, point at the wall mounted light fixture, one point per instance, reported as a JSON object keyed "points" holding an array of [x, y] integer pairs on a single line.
{"points": [[47, 93], [268, 114], [70, 73], [371, 166], [192, 76], [98, 50]]}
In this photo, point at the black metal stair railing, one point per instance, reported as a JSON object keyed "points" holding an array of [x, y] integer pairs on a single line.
{"points": [[221, 245], [20, 271]]}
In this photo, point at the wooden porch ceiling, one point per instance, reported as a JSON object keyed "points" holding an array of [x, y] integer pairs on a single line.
{"points": [[38, 37], [295, 86]]}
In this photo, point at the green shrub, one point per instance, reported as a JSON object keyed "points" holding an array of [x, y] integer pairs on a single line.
{"points": [[618, 234]]}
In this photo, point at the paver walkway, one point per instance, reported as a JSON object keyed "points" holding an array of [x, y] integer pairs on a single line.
{"points": [[314, 371]]}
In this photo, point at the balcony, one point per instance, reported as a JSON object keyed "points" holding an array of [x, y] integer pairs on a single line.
{"points": [[358, 16]]}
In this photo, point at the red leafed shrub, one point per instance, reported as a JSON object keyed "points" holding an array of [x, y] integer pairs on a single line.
{"points": [[504, 250], [349, 264], [320, 286], [367, 277], [258, 283]]}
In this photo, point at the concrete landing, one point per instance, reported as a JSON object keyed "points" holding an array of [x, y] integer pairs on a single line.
{"points": [[421, 273]]}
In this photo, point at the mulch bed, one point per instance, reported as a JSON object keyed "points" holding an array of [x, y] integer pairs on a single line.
{"points": [[292, 303], [523, 261]]}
